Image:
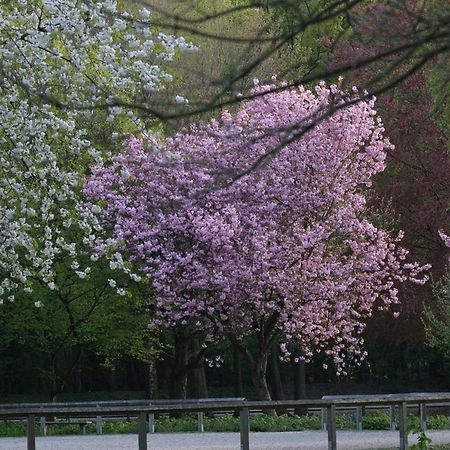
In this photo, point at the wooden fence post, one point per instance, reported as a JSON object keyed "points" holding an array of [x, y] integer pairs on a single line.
{"points": [[42, 426], [423, 416], [142, 437], [245, 428], [331, 425], [359, 416], [151, 423], [31, 438], [392, 417], [200, 427], [99, 423], [323, 419], [402, 424]]}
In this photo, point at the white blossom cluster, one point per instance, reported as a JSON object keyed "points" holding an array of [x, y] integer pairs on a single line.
{"points": [[59, 61]]}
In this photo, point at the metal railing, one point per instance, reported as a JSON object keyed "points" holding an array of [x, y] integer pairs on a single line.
{"points": [[142, 410]]}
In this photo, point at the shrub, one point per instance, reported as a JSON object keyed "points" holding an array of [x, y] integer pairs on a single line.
{"points": [[438, 422], [379, 421], [413, 423], [12, 429], [120, 427], [226, 422], [345, 421], [174, 424]]}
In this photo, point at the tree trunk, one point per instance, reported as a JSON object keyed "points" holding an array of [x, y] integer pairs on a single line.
{"points": [[152, 380], [259, 382], [197, 377], [151, 385], [274, 374], [275, 377], [52, 385], [178, 388], [259, 369], [179, 371], [78, 372], [237, 364], [258, 363], [299, 377], [112, 379]]}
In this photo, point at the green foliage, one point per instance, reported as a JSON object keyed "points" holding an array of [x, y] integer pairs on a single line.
{"points": [[119, 427], [436, 319], [438, 422], [226, 423], [345, 421], [423, 441], [412, 423], [12, 429], [283, 423], [82, 314], [308, 50], [230, 423], [171, 424], [64, 429], [379, 421]]}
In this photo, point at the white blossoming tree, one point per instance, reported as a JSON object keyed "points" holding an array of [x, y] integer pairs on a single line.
{"points": [[60, 60]]}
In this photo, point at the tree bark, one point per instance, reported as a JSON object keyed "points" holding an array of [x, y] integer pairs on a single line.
{"points": [[299, 377], [197, 377], [179, 371], [112, 378], [275, 382], [259, 370], [237, 364], [274, 374], [152, 380], [258, 363]]}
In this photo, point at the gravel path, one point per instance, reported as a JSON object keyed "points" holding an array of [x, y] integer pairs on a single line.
{"points": [[304, 440]]}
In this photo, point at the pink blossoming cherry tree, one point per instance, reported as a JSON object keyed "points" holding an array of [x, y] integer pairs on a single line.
{"points": [[284, 253]]}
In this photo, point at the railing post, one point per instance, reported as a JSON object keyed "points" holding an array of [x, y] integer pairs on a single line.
{"points": [[151, 423], [200, 427], [245, 428], [42, 426], [31, 439], [331, 425], [402, 422], [99, 423], [323, 419], [359, 416], [423, 416], [142, 437], [392, 417]]}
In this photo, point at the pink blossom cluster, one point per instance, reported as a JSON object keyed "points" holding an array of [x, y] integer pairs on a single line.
{"points": [[287, 247], [445, 239]]}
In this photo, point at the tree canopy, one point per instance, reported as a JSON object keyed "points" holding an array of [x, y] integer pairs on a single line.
{"points": [[283, 252]]}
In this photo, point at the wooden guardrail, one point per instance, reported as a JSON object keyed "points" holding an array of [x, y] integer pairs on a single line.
{"points": [[141, 410]]}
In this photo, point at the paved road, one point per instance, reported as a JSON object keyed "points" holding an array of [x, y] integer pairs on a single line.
{"points": [[303, 440]]}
